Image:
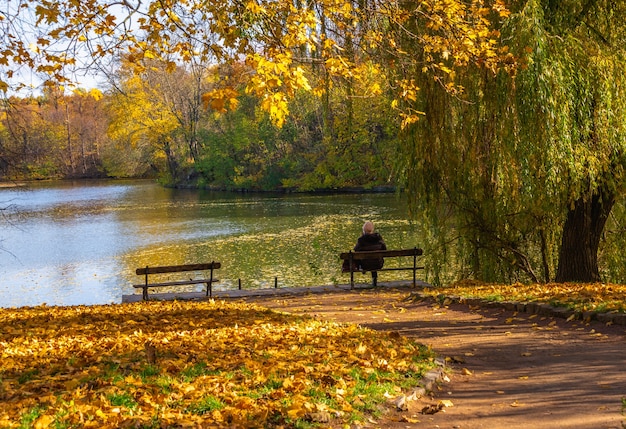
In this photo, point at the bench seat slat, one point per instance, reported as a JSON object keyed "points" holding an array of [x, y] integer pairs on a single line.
{"points": [[177, 268], [374, 254], [388, 269], [176, 283], [401, 269]]}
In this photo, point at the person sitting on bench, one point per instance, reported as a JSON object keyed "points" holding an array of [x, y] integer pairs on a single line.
{"points": [[368, 241]]}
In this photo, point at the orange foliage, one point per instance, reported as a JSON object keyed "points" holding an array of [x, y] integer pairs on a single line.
{"points": [[578, 296], [178, 364]]}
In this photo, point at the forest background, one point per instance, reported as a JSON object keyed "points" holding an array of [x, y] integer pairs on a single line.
{"points": [[504, 122]]}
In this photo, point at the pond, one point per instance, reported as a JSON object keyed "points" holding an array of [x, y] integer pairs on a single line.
{"points": [[70, 243]]}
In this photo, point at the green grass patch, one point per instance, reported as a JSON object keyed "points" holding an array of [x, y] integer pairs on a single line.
{"points": [[122, 399], [28, 418], [206, 405]]}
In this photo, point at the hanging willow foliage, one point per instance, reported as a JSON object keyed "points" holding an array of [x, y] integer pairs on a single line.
{"points": [[515, 157]]}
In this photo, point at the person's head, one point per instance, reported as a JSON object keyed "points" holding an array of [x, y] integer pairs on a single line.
{"points": [[368, 227]]}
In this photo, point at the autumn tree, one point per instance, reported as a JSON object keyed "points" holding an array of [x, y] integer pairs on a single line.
{"points": [[30, 141], [141, 123], [275, 38]]}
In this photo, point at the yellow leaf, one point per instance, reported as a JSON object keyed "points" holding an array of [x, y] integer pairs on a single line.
{"points": [[44, 422]]}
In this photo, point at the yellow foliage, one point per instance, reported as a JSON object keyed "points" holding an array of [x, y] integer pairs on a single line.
{"points": [[213, 363], [268, 35], [221, 100], [578, 296]]}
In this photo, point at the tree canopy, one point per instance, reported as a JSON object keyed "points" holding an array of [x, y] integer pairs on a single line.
{"points": [[276, 39]]}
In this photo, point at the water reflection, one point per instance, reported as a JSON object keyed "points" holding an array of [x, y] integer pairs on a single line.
{"points": [[80, 243]]}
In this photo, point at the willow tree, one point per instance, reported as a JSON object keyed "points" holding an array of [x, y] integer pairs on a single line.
{"points": [[529, 165]]}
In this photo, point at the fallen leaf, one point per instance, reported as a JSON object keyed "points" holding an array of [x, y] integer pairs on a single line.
{"points": [[320, 417], [406, 419]]}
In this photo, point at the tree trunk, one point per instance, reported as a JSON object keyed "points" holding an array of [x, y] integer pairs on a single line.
{"points": [[578, 256]]}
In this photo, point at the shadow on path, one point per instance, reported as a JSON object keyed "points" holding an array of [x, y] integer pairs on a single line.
{"points": [[507, 370]]}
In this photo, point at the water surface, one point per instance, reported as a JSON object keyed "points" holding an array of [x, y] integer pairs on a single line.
{"points": [[68, 243]]}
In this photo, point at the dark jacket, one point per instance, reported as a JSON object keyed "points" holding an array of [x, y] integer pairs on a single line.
{"points": [[368, 242]]}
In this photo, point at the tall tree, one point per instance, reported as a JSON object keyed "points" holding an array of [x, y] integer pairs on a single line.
{"points": [[533, 164]]}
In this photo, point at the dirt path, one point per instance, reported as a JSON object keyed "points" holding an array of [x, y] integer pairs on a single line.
{"points": [[508, 370]]}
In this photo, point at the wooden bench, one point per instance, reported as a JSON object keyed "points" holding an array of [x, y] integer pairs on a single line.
{"points": [[147, 271], [353, 256]]}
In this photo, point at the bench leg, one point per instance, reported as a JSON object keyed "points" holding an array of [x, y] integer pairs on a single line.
{"points": [[209, 285], [145, 288], [351, 271], [414, 270]]}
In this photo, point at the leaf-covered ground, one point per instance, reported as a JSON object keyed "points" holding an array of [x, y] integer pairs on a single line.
{"points": [[194, 364], [597, 297]]}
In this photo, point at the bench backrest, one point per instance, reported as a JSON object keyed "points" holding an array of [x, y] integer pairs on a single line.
{"points": [[177, 268], [373, 254]]}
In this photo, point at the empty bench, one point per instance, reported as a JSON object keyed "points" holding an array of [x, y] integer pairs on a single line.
{"points": [[148, 271], [353, 258]]}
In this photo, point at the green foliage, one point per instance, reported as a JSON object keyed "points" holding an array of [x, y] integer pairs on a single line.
{"points": [[495, 172], [29, 417]]}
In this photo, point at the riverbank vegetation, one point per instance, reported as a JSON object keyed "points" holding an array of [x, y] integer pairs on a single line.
{"points": [[191, 364], [504, 121]]}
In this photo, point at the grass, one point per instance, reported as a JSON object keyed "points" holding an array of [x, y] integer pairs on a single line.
{"points": [[217, 364]]}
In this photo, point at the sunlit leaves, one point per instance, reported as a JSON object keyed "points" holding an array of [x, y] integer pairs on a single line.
{"points": [[221, 100], [582, 297], [214, 363], [450, 32]]}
